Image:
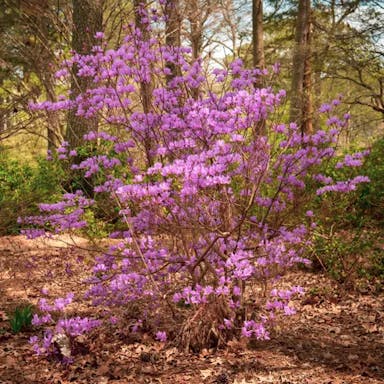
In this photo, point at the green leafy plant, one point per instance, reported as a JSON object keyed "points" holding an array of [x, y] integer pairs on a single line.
{"points": [[371, 196], [348, 255], [22, 187], [21, 318]]}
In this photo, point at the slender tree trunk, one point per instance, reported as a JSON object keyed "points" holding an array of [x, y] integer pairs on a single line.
{"points": [[44, 71], [87, 20], [258, 59], [54, 135], [307, 81], [145, 87], [173, 27], [301, 104], [317, 89], [196, 33], [3, 115], [257, 34]]}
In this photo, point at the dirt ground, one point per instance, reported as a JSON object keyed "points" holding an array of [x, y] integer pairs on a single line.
{"points": [[337, 337]]}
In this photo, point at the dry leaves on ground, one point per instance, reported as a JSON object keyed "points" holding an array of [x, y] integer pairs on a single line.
{"points": [[336, 338]]}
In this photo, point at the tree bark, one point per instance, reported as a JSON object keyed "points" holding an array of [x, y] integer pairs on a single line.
{"points": [[257, 34], [172, 37], [87, 20], [258, 59], [196, 33], [301, 105], [54, 133], [145, 87], [307, 124]]}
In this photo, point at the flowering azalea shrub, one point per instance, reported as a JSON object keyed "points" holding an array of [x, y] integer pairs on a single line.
{"points": [[205, 182]]}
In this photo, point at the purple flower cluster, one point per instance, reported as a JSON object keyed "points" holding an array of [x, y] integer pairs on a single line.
{"points": [[69, 327], [68, 214]]}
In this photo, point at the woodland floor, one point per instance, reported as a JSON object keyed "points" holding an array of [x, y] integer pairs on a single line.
{"points": [[338, 336]]}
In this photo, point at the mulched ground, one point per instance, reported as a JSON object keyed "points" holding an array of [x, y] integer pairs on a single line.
{"points": [[338, 336]]}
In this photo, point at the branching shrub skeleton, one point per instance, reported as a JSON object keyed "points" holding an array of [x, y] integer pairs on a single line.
{"points": [[202, 194]]}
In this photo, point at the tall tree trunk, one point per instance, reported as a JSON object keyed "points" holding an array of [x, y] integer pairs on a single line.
{"points": [[257, 34], [87, 20], [301, 105], [316, 101], [3, 116], [54, 134], [173, 27], [145, 87], [307, 126], [258, 59], [196, 33]]}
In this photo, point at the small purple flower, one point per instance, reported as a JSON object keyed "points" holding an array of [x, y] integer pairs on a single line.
{"points": [[44, 291], [161, 336], [228, 324]]}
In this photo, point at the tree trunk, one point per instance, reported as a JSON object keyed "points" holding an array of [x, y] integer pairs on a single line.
{"points": [[54, 135], [301, 105], [258, 58], [145, 87], [257, 34], [307, 126], [316, 101], [3, 116], [87, 20], [196, 33], [172, 38], [44, 71]]}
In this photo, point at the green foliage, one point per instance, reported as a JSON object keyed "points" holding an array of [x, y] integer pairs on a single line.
{"points": [[97, 228], [22, 187], [21, 318], [364, 207], [375, 269], [347, 242], [371, 195], [342, 255]]}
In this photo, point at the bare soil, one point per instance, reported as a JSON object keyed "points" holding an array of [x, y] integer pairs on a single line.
{"points": [[337, 337]]}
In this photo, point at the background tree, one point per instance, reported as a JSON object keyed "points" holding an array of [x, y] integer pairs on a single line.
{"points": [[33, 38], [347, 58], [173, 31], [354, 36], [257, 34], [300, 110], [87, 18]]}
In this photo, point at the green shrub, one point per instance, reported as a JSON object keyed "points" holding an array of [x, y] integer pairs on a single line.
{"points": [[371, 195], [347, 240], [22, 187], [342, 255]]}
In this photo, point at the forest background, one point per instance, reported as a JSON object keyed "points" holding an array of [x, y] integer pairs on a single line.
{"points": [[324, 49]]}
